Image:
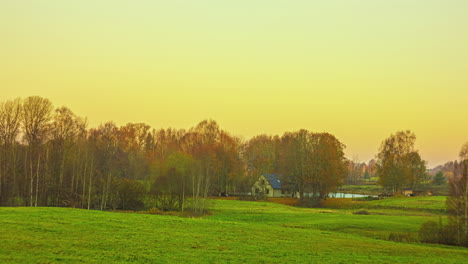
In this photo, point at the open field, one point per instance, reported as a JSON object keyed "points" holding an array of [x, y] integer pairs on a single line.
{"points": [[236, 232], [428, 203], [433, 204]]}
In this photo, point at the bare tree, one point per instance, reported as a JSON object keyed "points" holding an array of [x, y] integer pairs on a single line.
{"points": [[10, 121], [37, 113], [457, 201], [66, 127]]}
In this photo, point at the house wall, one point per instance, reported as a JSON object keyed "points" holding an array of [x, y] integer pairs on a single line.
{"points": [[277, 193], [271, 192], [407, 192], [258, 184], [263, 187]]}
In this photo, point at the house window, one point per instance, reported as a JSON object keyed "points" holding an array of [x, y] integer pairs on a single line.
{"points": [[263, 182], [267, 191], [257, 190]]}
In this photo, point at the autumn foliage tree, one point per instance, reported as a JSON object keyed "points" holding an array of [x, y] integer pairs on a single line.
{"points": [[398, 163], [261, 154], [314, 162]]}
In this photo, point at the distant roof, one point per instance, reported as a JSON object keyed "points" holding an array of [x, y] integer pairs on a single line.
{"points": [[274, 179]]}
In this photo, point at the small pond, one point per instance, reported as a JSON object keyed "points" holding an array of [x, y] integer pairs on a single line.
{"points": [[349, 195]]}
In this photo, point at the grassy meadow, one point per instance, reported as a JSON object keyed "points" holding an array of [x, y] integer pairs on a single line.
{"points": [[235, 232], [422, 204]]}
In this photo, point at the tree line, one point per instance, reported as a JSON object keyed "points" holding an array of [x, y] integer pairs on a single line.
{"points": [[49, 157]]}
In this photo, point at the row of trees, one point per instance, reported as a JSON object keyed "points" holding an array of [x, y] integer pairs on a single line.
{"points": [[48, 157], [359, 172], [448, 170]]}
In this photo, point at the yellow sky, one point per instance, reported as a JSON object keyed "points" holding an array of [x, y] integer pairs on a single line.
{"points": [[358, 69]]}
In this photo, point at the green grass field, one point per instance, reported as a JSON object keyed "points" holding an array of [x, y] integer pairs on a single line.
{"points": [[236, 232], [428, 203]]}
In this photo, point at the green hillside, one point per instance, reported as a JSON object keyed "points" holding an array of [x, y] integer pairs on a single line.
{"points": [[236, 232]]}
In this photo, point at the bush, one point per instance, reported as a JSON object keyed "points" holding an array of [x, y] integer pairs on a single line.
{"points": [[199, 207], [167, 203], [429, 232], [448, 234], [314, 201], [131, 194]]}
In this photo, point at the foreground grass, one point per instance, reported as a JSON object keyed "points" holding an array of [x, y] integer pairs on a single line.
{"points": [[237, 232]]}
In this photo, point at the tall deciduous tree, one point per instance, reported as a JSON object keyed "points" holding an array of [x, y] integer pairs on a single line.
{"points": [[398, 163], [10, 122], [314, 162], [66, 127], [296, 159], [37, 113], [329, 164], [261, 155]]}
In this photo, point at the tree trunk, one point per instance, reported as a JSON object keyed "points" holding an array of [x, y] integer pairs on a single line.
{"points": [[183, 196], [32, 181], [90, 183], [83, 182], [37, 179]]}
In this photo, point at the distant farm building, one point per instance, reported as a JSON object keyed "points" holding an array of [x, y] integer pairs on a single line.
{"points": [[408, 192], [271, 185]]}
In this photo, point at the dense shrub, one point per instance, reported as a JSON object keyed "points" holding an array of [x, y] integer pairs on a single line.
{"points": [[131, 195], [429, 232], [314, 201]]}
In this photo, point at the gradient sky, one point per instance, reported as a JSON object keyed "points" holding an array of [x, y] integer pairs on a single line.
{"points": [[360, 70]]}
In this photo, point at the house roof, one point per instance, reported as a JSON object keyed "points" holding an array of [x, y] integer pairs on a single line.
{"points": [[273, 179]]}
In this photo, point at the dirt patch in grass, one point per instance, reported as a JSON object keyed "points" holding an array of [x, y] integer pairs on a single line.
{"points": [[285, 201]]}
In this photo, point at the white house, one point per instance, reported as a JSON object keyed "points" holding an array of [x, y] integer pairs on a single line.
{"points": [[270, 185]]}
